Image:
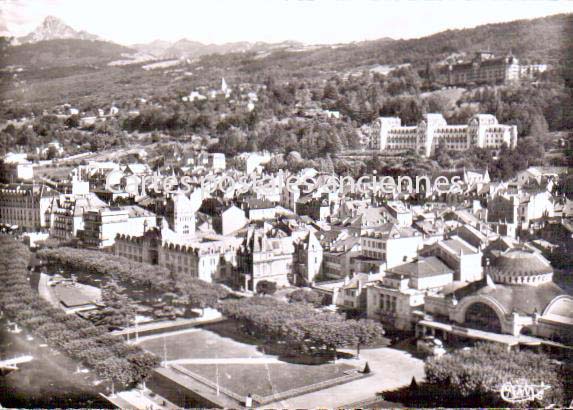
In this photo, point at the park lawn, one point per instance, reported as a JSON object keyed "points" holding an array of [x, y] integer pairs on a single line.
{"points": [[199, 344], [268, 379]]}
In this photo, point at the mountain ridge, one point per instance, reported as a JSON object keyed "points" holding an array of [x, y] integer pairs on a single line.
{"points": [[53, 28], [542, 39], [186, 48], [520, 36]]}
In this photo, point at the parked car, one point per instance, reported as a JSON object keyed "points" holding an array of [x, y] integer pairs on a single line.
{"points": [[430, 346]]}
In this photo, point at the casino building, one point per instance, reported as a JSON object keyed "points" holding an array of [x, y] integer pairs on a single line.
{"points": [[517, 303], [482, 130]]}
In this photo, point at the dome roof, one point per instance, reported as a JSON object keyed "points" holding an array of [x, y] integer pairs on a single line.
{"points": [[561, 307], [523, 299], [519, 262]]}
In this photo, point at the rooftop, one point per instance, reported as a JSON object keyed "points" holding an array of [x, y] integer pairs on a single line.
{"points": [[520, 262], [459, 246], [422, 268]]}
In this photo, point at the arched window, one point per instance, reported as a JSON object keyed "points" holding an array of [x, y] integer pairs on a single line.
{"points": [[481, 316]]}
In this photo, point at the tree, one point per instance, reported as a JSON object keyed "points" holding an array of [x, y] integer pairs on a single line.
{"points": [[442, 154], [438, 102], [52, 152], [119, 311], [365, 332], [143, 363], [72, 335], [306, 296], [117, 371], [539, 128], [266, 287], [480, 371], [73, 121]]}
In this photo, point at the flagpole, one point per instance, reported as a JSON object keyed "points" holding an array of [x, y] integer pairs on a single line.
{"points": [[217, 373]]}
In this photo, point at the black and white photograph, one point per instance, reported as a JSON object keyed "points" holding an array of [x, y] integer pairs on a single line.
{"points": [[286, 204]]}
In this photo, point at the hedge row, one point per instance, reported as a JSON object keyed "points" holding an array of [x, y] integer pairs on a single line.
{"points": [[112, 359]]}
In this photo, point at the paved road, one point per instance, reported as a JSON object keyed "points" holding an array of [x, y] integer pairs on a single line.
{"points": [[391, 369], [45, 291]]}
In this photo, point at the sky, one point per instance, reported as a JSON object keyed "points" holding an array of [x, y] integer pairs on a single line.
{"points": [[308, 21]]}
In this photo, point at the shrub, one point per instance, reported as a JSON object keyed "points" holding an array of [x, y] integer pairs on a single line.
{"points": [[482, 370], [266, 287]]}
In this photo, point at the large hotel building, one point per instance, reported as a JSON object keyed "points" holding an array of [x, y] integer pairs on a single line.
{"points": [[486, 68], [482, 131]]}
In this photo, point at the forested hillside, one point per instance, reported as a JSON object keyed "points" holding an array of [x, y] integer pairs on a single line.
{"points": [[544, 39], [62, 53]]}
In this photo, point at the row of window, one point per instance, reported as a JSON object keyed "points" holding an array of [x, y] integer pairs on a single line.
{"points": [[388, 302]]}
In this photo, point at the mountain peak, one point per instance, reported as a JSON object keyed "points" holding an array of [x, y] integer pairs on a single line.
{"points": [[51, 20], [53, 28]]}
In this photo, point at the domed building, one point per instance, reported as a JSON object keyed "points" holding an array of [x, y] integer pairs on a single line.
{"points": [[517, 297], [516, 266]]}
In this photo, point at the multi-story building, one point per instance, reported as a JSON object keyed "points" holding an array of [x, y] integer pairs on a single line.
{"points": [[482, 130], [216, 161], [485, 68], [517, 298], [265, 256], [144, 248], [180, 212], [259, 209], [66, 214], [290, 196], [101, 226], [223, 218], [399, 213], [351, 294], [209, 258], [25, 205], [508, 212], [16, 171], [339, 254], [308, 259], [316, 208], [463, 258], [392, 244], [402, 290], [478, 238], [531, 71]]}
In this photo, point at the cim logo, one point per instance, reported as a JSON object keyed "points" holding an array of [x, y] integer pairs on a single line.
{"points": [[520, 393]]}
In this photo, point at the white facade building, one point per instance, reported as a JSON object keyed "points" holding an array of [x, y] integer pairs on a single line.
{"points": [[482, 130]]}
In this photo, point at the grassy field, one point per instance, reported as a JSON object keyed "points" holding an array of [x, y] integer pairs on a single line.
{"points": [[242, 365], [199, 344], [267, 379]]}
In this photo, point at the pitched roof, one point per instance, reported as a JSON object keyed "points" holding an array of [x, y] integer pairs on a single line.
{"points": [[422, 268]]}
